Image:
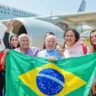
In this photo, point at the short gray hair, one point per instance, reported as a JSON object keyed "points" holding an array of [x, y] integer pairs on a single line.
{"points": [[22, 36], [51, 36]]}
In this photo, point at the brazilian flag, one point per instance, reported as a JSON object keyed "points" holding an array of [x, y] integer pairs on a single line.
{"points": [[35, 76]]}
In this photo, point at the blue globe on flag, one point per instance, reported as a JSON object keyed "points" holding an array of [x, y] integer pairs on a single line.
{"points": [[50, 81]]}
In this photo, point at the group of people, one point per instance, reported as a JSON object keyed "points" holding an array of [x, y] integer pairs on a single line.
{"points": [[73, 46]]}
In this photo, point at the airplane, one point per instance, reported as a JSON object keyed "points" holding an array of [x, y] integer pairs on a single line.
{"points": [[37, 26], [7, 12]]}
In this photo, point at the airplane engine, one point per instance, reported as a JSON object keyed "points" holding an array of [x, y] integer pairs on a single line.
{"points": [[36, 29]]}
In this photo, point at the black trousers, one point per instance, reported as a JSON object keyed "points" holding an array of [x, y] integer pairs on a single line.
{"points": [[1, 83]]}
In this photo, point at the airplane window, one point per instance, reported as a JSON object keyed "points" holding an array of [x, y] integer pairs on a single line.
{"points": [[8, 12]]}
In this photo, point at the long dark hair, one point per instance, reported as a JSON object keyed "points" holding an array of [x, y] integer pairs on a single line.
{"points": [[14, 35], [47, 33], [76, 33], [93, 46]]}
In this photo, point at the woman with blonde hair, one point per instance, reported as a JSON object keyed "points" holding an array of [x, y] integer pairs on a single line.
{"points": [[93, 45]]}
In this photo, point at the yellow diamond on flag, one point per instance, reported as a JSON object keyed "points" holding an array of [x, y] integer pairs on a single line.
{"points": [[49, 80]]}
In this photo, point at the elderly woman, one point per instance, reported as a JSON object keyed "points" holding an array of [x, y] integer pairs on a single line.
{"points": [[24, 42], [50, 52]]}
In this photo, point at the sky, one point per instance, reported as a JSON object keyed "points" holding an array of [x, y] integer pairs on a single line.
{"points": [[44, 7]]}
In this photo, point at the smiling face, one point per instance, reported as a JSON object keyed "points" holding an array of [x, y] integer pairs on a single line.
{"points": [[70, 38], [93, 38], [50, 42], [14, 41], [24, 42]]}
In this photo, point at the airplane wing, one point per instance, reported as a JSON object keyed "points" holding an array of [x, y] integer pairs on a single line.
{"points": [[77, 19]]}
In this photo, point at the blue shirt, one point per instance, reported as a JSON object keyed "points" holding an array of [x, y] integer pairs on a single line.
{"points": [[47, 53]]}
